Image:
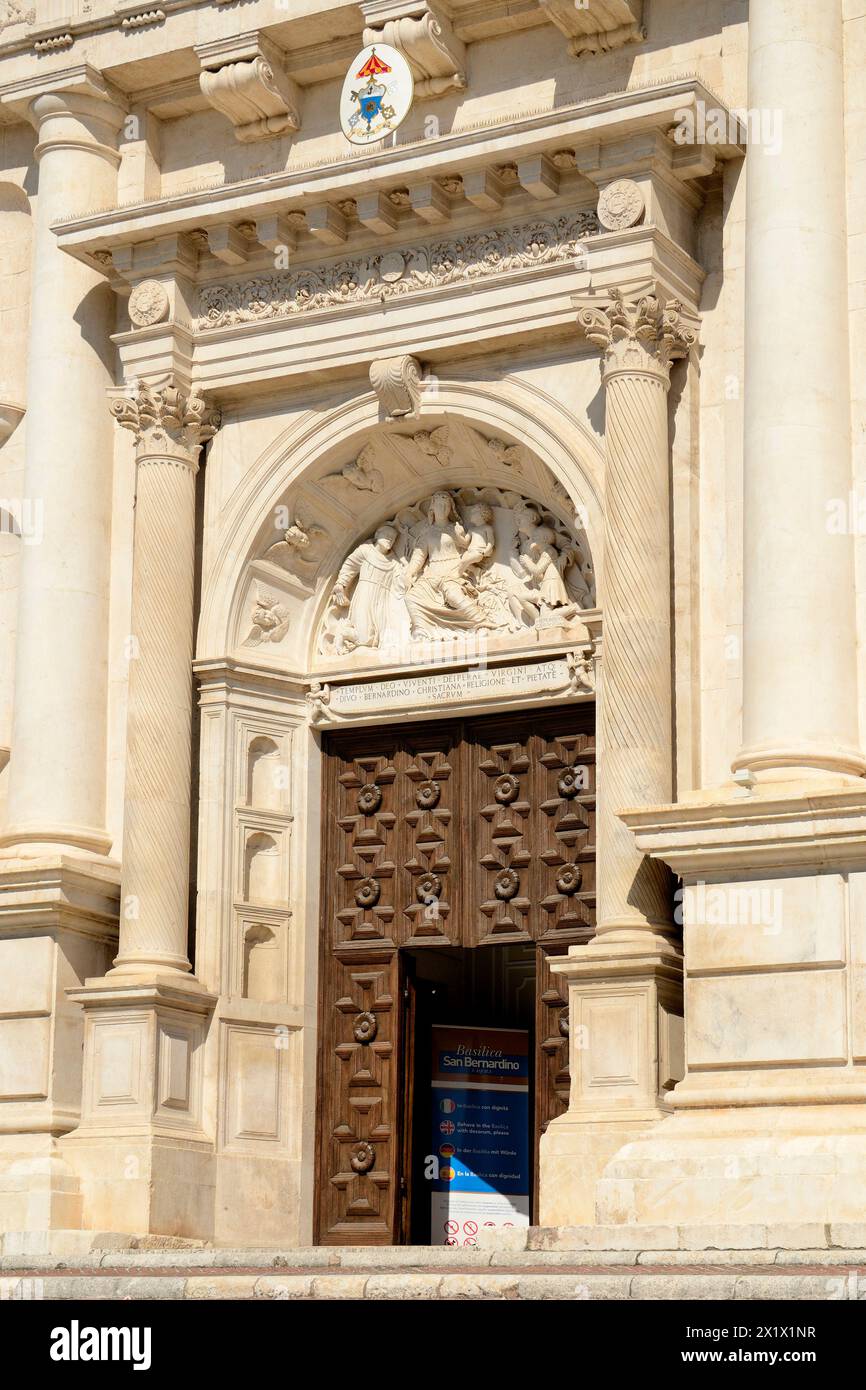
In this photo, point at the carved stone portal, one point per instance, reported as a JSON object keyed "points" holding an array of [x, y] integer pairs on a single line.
{"points": [[466, 560]]}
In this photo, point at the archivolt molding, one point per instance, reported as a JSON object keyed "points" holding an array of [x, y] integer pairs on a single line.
{"points": [[343, 473]]}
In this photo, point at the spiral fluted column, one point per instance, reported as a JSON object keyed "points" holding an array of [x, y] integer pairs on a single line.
{"points": [[169, 427], [635, 731], [625, 986]]}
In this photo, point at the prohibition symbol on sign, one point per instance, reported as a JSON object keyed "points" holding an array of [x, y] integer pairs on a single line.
{"points": [[471, 1228]]}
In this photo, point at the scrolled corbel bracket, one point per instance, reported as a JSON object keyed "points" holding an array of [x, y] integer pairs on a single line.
{"points": [[423, 34], [244, 78], [397, 383], [592, 29]]}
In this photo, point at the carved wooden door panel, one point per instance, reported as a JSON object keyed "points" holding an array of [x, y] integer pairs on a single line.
{"points": [[564, 831], [451, 834], [360, 997], [390, 830]]}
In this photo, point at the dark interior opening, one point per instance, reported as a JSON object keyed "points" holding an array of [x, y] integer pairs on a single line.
{"points": [[479, 987]]}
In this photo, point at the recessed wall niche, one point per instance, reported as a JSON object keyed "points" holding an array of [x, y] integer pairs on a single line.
{"points": [[266, 774], [264, 963], [262, 869]]}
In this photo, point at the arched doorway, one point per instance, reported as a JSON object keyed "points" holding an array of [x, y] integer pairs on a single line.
{"points": [[282, 677]]}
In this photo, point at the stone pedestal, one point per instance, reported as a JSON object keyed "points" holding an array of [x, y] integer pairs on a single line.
{"points": [[768, 1123], [57, 927], [624, 987], [143, 1158]]}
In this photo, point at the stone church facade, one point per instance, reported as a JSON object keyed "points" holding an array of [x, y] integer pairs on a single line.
{"points": [[434, 559]]}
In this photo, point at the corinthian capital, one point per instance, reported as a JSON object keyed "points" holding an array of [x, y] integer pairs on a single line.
{"points": [[640, 334], [167, 422]]}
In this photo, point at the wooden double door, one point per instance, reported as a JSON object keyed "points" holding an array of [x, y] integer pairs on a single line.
{"points": [[459, 834]]}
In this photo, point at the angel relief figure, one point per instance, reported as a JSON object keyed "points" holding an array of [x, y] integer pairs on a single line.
{"points": [[270, 621]]}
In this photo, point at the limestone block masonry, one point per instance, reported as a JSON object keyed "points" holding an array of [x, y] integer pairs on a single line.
{"points": [[549, 399]]}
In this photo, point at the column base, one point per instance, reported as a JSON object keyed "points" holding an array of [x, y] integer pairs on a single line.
{"points": [[625, 1033], [39, 841], [142, 1153], [801, 762]]}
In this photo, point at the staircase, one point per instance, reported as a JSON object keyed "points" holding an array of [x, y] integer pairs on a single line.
{"points": [[567, 1263]]}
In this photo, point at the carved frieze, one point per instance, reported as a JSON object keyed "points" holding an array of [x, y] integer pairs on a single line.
{"points": [[463, 561], [13, 12], [392, 274]]}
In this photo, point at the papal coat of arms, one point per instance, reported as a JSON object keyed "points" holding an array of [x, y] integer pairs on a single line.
{"points": [[377, 94]]}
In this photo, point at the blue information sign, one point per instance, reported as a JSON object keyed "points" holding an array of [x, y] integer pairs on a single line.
{"points": [[480, 1131]]}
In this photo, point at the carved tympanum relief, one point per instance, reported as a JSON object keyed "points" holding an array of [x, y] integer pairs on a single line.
{"points": [[464, 560]]}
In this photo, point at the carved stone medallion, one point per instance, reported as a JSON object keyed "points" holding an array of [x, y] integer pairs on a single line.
{"points": [[620, 205], [148, 303]]}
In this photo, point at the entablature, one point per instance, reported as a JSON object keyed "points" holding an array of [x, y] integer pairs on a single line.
{"points": [[545, 159], [511, 286]]}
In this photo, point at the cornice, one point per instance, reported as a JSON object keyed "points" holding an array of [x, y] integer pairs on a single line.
{"points": [[581, 126], [761, 831]]}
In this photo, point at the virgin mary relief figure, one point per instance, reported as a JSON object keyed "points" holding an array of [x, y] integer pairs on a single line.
{"points": [[475, 560], [440, 588]]}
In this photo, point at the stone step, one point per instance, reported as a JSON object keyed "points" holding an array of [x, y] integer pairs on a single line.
{"points": [[151, 1269]]}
